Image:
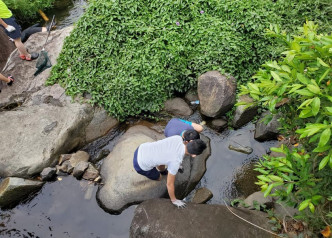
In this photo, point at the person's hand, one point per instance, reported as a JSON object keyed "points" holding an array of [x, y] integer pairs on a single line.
{"points": [[179, 203], [10, 28]]}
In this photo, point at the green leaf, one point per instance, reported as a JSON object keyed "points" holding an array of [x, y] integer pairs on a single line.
{"points": [[305, 103], [324, 162], [306, 113], [312, 207], [289, 188], [304, 92], [329, 109], [313, 88], [276, 76], [286, 68], [324, 75], [321, 149], [315, 106], [275, 178], [264, 178], [302, 78], [304, 204], [322, 62], [325, 137], [268, 190]]}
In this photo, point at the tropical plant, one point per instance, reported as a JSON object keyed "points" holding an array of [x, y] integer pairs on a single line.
{"points": [[27, 9], [299, 86], [130, 56]]}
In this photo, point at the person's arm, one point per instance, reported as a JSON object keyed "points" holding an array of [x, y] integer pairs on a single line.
{"points": [[170, 186], [197, 127], [3, 23], [171, 191]]}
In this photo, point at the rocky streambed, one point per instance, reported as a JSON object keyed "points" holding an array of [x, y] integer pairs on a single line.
{"points": [[46, 129]]}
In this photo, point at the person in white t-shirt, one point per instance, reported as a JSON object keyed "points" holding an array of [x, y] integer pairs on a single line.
{"points": [[151, 159]]}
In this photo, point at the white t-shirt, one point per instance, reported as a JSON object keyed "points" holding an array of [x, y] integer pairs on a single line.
{"points": [[169, 151]]}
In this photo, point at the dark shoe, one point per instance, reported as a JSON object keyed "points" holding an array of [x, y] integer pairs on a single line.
{"points": [[33, 56], [11, 80], [165, 172]]}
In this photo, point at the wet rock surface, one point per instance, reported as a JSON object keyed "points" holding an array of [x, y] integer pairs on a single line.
{"points": [[13, 190], [46, 122], [202, 195], [160, 218], [267, 131], [48, 174], [178, 107], [244, 114], [124, 186]]}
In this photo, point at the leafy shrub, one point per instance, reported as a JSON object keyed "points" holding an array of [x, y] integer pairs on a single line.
{"points": [[27, 9], [301, 80], [132, 55]]}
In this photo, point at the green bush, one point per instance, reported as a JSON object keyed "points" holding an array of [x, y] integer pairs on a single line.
{"points": [[130, 56], [301, 80], [25, 10]]}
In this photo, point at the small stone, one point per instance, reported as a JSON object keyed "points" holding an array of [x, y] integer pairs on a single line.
{"points": [[78, 157], [48, 174], [242, 149], [202, 195], [80, 169], [260, 199], [97, 180], [63, 158], [218, 124], [91, 173]]}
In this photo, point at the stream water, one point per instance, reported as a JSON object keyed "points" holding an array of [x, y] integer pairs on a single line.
{"points": [[68, 207]]}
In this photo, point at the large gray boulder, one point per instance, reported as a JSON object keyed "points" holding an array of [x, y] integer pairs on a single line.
{"points": [[124, 186], [13, 190], [244, 113], [160, 218], [40, 122], [267, 131], [216, 93]]}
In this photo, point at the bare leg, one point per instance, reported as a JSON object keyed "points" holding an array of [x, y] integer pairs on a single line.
{"points": [[21, 48], [3, 78]]}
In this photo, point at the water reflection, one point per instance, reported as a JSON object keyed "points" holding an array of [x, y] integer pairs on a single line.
{"points": [[66, 208], [67, 12], [229, 173]]}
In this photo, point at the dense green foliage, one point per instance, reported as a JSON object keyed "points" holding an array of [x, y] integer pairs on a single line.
{"points": [[301, 80], [27, 9], [132, 55]]}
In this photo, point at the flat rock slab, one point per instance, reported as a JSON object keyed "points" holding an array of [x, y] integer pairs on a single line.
{"points": [[124, 186], [160, 218], [13, 190], [34, 148]]}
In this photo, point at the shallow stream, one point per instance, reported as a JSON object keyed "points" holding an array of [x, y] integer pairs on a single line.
{"points": [[68, 207]]}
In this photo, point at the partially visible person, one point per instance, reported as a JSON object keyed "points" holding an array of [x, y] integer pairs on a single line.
{"points": [[151, 159], [178, 126], [32, 30], [9, 80], [12, 29]]}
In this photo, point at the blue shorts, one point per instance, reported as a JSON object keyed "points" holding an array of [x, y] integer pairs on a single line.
{"points": [[14, 34], [152, 174]]}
